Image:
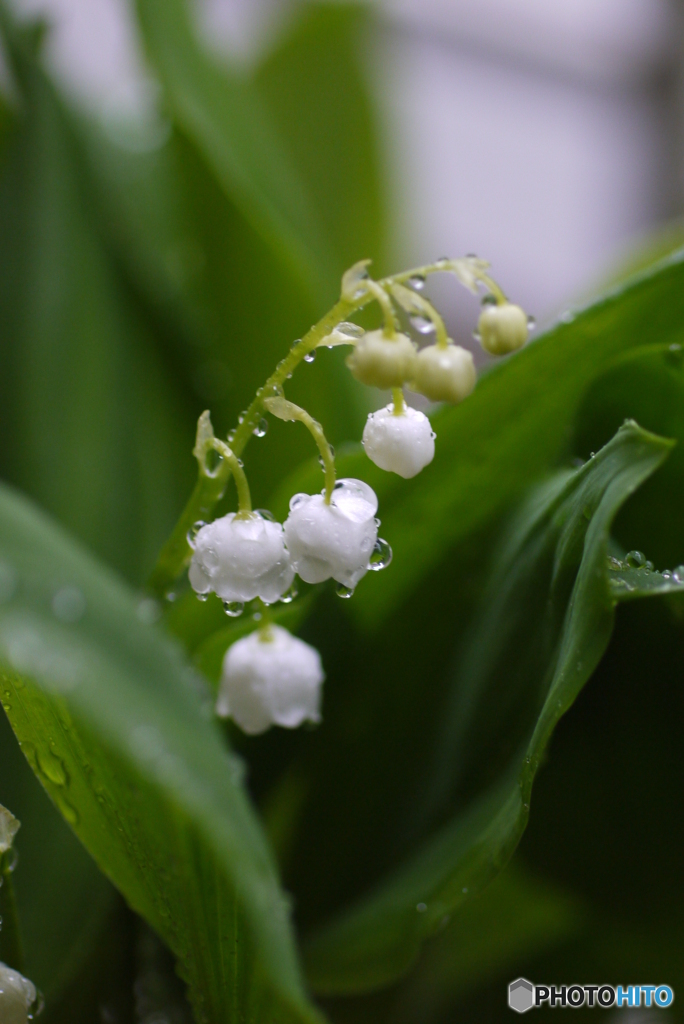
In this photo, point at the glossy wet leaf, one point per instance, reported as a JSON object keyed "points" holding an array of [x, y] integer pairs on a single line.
{"points": [[119, 731], [546, 619], [91, 420], [225, 118]]}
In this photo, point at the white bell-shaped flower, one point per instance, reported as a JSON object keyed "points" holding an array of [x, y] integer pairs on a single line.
{"points": [[336, 540], [382, 362], [502, 328], [17, 996], [402, 444], [445, 374], [240, 559], [270, 678]]}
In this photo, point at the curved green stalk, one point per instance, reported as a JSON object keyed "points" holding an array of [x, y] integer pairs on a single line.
{"points": [[286, 410], [210, 487]]}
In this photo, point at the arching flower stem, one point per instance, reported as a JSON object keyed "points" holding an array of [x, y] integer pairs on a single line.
{"points": [[383, 300], [286, 410], [210, 487]]}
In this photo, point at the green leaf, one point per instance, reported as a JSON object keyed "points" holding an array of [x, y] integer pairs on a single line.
{"points": [[546, 619], [92, 422], [120, 733], [317, 67], [58, 931], [225, 118], [518, 915]]}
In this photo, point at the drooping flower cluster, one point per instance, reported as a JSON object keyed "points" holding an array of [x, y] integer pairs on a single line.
{"points": [[270, 677], [17, 996]]}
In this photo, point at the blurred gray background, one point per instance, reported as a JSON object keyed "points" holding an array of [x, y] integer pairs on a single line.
{"points": [[544, 135]]}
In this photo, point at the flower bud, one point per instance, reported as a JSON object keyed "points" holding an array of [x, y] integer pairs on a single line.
{"points": [[444, 374], [502, 329], [17, 996], [270, 678], [382, 362], [240, 559], [336, 540], [402, 444]]}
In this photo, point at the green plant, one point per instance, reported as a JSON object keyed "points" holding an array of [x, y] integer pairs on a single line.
{"points": [[137, 287]]}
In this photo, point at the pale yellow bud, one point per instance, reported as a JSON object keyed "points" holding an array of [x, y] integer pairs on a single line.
{"points": [[383, 362], [444, 374], [502, 329]]}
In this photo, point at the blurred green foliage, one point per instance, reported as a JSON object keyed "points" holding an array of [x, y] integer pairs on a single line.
{"points": [[140, 284]]}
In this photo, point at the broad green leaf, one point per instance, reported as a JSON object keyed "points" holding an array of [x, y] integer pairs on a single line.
{"points": [[317, 67], [546, 619], [225, 118], [119, 731], [91, 422], [518, 915], [57, 932]]}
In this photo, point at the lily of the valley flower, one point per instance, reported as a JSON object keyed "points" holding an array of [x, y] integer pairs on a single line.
{"points": [[502, 328], [402, 443], [270, 678], [240, 558], [17, 996], [383, 362], [333, 540], [444, 373]]}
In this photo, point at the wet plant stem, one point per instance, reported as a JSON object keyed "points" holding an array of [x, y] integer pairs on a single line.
{"points": [[211, 486]]}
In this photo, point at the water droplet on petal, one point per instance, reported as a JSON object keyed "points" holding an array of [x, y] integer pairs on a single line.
{"points": [[289, 595], [344, 592], [309, 357], [381, 557], [203, 597], [265, 514], [261, 428], [531, 323], [37, 1006], [191, 535], [233, 608]]}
